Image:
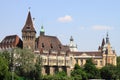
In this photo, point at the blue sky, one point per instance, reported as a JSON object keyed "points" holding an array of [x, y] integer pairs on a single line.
{"points": [[86, 20]]}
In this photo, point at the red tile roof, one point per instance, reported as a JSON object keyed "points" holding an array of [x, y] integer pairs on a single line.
{"points": [[11, 41]]}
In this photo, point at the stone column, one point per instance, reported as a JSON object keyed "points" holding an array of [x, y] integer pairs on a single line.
{"points": [[43, 70], [51, 70]]}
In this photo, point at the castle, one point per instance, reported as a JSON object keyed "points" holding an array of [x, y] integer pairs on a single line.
{"points": [[55, 55]]}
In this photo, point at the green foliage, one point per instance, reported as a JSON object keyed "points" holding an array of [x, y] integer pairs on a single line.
{"points": [[23, 61], [109, 72], [78, 73], [58, 76], [118, 67], [91, 70], [4, 73], [118, 61], [25, 66], [38, 69], [77, 67]]}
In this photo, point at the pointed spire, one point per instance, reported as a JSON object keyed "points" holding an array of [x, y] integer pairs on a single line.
{"points": [[29, 24], [103, 42], [107, 38], [42, 31], [29, 8], [99, 48]]}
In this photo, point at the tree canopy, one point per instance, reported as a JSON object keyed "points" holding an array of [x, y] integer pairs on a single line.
{"points": [[91, 70]]}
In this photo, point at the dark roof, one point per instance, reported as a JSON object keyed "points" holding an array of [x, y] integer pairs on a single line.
{"points": [[50, 43], [29, 24], [103, 42], [11, 41], [90, 53]]}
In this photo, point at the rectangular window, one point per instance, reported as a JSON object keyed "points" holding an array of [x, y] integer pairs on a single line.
{"points": [[77, 61], [101, 63], [81, 62]]}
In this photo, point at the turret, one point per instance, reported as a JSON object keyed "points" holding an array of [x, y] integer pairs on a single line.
{"points": [[42, 31], [72, 45]]}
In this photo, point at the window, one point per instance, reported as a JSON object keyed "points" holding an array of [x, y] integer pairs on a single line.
{"points": [[60, 46], [101, 63], [77, 61], [51, 45], [96, 62], [28, 27], [42, 45], [44, 60], [81, 62]]}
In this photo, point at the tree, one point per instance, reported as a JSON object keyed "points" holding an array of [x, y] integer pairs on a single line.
{"points": [[4, 72], [109, 72], [91, 70], [118, 61], [38, 68], [61, 75], [78, 73], [24, 61], [7, 58], [118, 67]]}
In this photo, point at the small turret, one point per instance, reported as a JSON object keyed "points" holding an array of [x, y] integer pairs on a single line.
{"points": [[71, 38], [72, 45], [42, 31]]}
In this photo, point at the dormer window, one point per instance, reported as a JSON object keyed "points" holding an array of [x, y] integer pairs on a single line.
{"points": [[51, 45], [42, 45], [60, 46], [28, 27]]}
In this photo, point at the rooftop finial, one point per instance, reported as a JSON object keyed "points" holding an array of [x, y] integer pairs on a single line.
{"points": [[33, 19], [107, 34], [107, 38], [29, 8]]}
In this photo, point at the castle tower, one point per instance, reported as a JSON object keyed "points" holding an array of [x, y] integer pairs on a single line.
{"points": [[109, 54], [29, 33]]}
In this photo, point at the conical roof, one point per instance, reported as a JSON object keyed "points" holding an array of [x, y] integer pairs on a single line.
{"points": [[103, 42], [29, 24]]}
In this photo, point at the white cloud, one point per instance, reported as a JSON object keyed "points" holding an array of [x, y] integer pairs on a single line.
{"points": [[65, 19], [82, 28], [99, 27]]}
